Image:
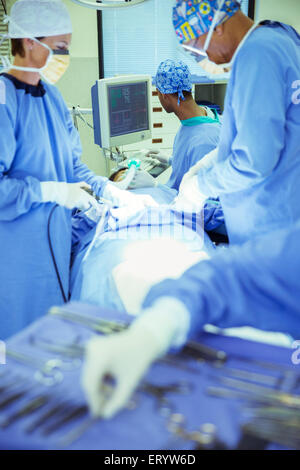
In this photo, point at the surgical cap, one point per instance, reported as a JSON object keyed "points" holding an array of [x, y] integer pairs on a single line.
{"points": [[38, 18], [173, 77], [193, 18]]}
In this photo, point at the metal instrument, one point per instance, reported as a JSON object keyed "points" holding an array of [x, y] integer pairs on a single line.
{"points": [[29, 408], [75, 412], [50, 413], [160, 392], [48, 373], [96, 324]]}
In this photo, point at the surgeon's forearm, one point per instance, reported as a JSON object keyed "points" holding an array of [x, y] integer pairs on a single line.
{"points": [[239, 288], [17, 196], [168, 321], [83, 173]]}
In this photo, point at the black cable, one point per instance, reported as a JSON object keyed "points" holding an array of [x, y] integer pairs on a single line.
{"points": [[251, 12], [53, 255], [4, 7]]}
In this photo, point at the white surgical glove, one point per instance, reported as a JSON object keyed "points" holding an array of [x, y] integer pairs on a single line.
{"points": [[142, 179], [160, 156], [206, 162], [69, 195], [190, 199], [122, 198], [125, 357]]}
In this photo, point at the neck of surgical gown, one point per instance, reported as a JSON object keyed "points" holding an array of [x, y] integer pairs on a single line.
{"points": [[38, 142], [195, 138]]}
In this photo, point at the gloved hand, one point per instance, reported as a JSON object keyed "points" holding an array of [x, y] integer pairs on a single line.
{"points": [[142, 179], [69, 195], [122, 198], [125, 357], [160, 156], [207, 161], [190, 199]]}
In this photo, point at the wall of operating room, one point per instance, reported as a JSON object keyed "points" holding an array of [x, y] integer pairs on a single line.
{"points": [[278, 10]]}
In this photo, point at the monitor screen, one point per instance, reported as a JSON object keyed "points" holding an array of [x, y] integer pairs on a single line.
{"points": [[128, 108]]}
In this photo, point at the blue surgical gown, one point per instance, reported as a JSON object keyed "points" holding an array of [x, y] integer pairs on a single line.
{"points": [[256, 284], [257, 172], [38, 142], [195, 138]]}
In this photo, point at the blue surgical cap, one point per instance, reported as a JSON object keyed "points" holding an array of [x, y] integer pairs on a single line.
{"points": [[173, 77], [193, 18]]}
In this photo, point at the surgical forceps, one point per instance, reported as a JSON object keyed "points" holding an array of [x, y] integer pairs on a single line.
{"points": [[157, 391], [238, 389], [160, 392], [48, 373], [96, 324], [205, 437], [29, 408], [74, 351]]}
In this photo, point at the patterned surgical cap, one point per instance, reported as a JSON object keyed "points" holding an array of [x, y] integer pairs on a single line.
{"points": [[173, 77], [193, 18]]}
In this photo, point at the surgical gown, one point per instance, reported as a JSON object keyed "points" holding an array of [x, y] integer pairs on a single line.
{"points": [[38, 142], [195, 138], [257, 171], [256, 284]]}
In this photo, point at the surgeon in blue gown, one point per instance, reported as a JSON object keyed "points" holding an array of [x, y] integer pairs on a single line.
{"points": [[255, 285], [256, 171], [41, 174], [200, 127]]}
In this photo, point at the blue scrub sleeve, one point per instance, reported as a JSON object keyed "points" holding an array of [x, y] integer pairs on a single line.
{"points": [[17, 196], [255, 285], [213, 215], [81, 171], [259, 109]]}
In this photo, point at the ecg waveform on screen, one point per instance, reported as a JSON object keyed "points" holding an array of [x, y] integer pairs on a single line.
{"points": [[128, 108]]}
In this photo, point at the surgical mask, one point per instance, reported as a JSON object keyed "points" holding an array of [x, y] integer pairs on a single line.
{"points": [[56, 64], [202, 59]]}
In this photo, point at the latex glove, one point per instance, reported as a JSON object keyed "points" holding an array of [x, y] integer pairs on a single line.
{"points": [[69, 195], [122, 198], [205, 163], [125, 357], [190, 199], [160, 156], [143, 179]]}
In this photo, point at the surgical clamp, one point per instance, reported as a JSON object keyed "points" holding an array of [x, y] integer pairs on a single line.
{"points": [[96, 324], [48, 373]]}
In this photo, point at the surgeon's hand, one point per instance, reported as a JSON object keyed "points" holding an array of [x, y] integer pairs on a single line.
{"points": [[124, 358], [121, 198], [143, 179], [189, 198], [69, 195], [204, 164], [160, 156]]}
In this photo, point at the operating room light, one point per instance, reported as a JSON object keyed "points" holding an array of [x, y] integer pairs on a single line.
{"points": [[107, 3]]}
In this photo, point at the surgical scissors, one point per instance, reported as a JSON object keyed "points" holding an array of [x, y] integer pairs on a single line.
{"points": [[73, 351], [48, 373], [160, 392]]}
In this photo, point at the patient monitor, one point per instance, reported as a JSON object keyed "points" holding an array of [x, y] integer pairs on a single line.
{"points": [[122, 110]]}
